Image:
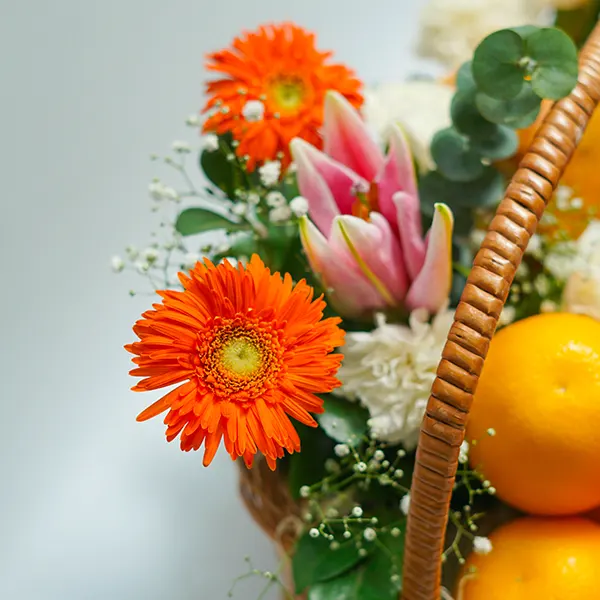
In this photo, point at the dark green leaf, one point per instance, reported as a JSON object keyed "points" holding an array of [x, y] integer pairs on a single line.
{"points": [[199, 220], [346, 587], [454, 157], [314, 561], [219, 171], [518, 113], [498, 145], [496, 67], [343, 421], [464, 78], [555, 54], [467, 119], [484, 192], [307, 467], [278, 244]]}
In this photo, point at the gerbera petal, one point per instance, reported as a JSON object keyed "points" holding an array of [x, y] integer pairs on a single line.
{"points": [[347, 139], [431, 288]]}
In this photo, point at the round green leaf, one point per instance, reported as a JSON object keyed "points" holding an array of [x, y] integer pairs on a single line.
{"points": [[467, 119], [555, 54], [199, 220], [525, 30], [501, 143], [517, 113], [454, 157], [464, 78], [496, 64]]}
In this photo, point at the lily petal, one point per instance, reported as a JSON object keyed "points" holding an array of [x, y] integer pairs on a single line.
{"points": [[341, 181], [321, 203], [350, 292], [347, 139], [411, 232], [397, 174], [376, 252], [431, 288]]}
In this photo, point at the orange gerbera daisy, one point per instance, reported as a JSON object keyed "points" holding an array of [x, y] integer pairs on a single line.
{"points": [[251, 347], [279, 66]]}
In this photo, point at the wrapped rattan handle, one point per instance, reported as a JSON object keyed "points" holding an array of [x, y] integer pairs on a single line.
{"points": [[494, 267]]}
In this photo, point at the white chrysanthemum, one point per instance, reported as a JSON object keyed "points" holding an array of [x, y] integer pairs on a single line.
{"points": [[391, 370], [452, 29], [421, 108], [582, 291]]}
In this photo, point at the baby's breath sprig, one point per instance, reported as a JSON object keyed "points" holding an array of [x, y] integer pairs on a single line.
{"points": [[271, 578]]}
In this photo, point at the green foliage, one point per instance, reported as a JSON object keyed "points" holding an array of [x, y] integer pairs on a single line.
{"points": [[555, 55], [517, 113], [199, 220], [375, 578], [343, 421], [455, 158], [314, 561], [496, 64]]}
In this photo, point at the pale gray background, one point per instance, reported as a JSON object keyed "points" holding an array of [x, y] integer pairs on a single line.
{"points": [[92, 504]]}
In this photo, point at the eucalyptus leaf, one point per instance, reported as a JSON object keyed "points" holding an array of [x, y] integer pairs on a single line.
{"points": [[199, 220], [482, 193], [517, 113], [555, 55], [467, 119], [314, 561], [496, 64], [343, 421], [501, 143], [525, 30], [455, 158], [464, 78]]}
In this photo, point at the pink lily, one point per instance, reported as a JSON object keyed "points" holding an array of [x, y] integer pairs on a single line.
{"points": [[364, 237]]}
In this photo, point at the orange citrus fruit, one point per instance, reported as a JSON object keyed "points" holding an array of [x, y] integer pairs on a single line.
{"points": [[539, 393], [536, 558]]}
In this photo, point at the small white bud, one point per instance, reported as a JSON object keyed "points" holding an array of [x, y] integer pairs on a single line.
{"points": [[361, 467], [405, 503], [299, 206], [398, 473], [304, 491], [362, 552], [369, 534], [275, 199], [117, 264], [210, 142], [357, 511], [482, 545], [142, 267], [181, 146], [239, 209], [491, 432], [150, 255], [193, 121], [132, 252], [379, 455], [334, 546], [341, 450], [314, 533], [253, 198], [395, 532], [463, 454], [269, 173], [253, 110]]}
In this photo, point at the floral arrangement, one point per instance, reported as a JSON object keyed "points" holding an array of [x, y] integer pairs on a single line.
{"points": [[306, 279]]}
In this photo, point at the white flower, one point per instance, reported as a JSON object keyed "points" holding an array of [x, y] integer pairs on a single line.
{"points": [[280, 214], [391, 370], [421, 108], [299, 206], [253, 110], [239, 209], [463, 454], [269, 173], [190, 260], [150, 255], [253, 198], [314, 533], [159, 191], [193, 121], [275, 199], [132, 252], [142, 267], [482, 545], [181, 146], [452, 29], [341, 450], [357, 512], [370, 534], [405, 503], [210, 142], [117, 264]]}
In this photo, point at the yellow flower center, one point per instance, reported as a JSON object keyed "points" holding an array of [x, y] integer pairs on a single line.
{"points": [[288, 92], [241, 356]]}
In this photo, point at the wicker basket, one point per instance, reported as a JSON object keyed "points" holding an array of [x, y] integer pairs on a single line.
{"points": [[476, 318]]}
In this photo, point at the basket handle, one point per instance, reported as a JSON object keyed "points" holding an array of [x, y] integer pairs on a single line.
{"points": [[476, 318]]}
